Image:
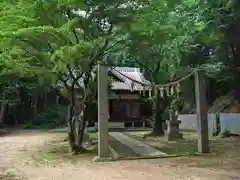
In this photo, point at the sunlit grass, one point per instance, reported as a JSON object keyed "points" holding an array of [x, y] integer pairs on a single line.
{"points": [[57, 150], [179, 147], [9, 176]]}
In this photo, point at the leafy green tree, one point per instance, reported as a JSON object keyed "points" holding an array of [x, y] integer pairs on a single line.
{"points": [[162, 33], [62, 43]]}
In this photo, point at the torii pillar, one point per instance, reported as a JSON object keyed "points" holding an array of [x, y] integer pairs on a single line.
{"points": [[201, 110], [103, 112]]}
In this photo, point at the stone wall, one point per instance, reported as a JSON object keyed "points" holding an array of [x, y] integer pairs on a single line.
{"points": [[189, 122], [230, 122]]}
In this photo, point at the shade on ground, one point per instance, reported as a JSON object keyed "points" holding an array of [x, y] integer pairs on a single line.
{"points": [[138, 147]]}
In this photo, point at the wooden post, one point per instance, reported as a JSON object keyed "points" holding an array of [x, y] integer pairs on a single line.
{"points": [[102, 111], [201, 110]]}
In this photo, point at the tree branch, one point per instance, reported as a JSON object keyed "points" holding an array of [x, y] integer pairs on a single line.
{"points": [[82, 25], [50, 48], [27, 41], [73, 29], [143, 65], [74, 79], [233, 51], [64, 81], [103, 48]]}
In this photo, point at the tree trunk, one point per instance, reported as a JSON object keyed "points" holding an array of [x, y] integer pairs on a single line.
{"points": [[71, 130], [3, 108], [34, 108], [76, 127], [83, 125], [82, 119], [57, 101], [158, 129], [45, 101], [79, 134], [14, 116]]}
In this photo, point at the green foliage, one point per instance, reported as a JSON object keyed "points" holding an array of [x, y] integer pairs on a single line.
{"points": [[226, 133], [61, 38], [51, 118], [157, 34], [57, 33], [59, 43], [176, 103], [162, 32]]}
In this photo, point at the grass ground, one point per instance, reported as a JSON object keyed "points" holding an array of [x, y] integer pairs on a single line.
{"points": [[57, 150], [9, 176], [224, 152], [186, 146], [181, 147]]}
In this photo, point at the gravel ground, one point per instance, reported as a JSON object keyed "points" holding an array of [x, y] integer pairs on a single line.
{"points": [[14, 160]]}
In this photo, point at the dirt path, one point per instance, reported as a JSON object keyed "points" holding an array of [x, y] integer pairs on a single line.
{"points": [[13, 159]]}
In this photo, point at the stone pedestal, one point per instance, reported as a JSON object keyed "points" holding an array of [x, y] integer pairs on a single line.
{"points": [[172, 133]]}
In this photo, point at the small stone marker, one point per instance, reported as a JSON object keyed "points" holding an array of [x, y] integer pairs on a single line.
{"points": [[201, 110]]}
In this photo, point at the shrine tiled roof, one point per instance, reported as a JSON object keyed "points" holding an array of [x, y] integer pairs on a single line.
{"points": [[126, 78], [130, 78]]}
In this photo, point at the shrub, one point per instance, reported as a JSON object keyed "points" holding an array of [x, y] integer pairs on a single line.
{"points": [[226, 133], [51, 118]]}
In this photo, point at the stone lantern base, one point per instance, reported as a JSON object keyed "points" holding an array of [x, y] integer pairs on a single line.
{"points": [[173, 133]]}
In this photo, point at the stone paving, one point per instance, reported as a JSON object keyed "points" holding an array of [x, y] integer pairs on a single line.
{"points": [[138, 147]]}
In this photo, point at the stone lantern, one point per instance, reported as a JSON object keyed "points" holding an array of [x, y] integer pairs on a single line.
{"points": [[172, 133]]}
